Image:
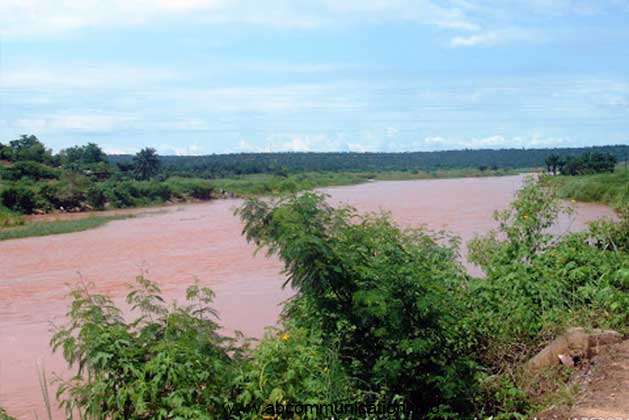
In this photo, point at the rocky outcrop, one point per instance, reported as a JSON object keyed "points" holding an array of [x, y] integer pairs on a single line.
{"points": [[574, 345]]}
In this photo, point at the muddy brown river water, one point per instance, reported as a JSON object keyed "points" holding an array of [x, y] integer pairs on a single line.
{"points": [[201, 241]]}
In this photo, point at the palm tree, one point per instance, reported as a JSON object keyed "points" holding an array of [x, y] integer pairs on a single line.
{"points": [[146, 163]]}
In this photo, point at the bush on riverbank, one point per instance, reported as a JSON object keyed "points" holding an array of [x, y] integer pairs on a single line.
{"points": [[380, 314], [611, 188]]}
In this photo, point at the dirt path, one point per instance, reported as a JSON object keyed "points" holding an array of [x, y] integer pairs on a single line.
{"points": [[604, 390]]}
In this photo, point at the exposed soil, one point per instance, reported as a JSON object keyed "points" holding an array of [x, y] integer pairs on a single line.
{"points": [[604, 388]]}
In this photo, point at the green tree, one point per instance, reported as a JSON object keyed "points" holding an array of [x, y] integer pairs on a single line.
{"points": [[552, 162], [146, 163], [28, 147], [89, 154]]}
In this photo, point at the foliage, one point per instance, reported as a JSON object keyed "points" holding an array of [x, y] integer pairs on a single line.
{"points": [[167, 363], [146, 164], [589, 163], [77, 156], [610, 188], [28, 170], [19, 199], [26, 148], [363, 280], [9, 218], [56, 227], [237, 164], [68, 193], [553, 163], [537, 285], [290, 365]]}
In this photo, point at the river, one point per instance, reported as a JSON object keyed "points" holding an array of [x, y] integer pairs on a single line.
{"points": [[181, 243]]}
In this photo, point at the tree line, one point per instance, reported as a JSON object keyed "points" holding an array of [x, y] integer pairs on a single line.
{"points": [[225, 165], [585, 164], [34, 179]]}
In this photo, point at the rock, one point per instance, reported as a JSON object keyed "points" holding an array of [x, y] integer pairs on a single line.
{"points": [[576, 343], [566, 360]]}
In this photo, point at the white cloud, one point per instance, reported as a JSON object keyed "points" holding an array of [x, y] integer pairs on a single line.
{"points": [[72, 122], [490, 142], [37, 17], [498, 37], [83, 76]]}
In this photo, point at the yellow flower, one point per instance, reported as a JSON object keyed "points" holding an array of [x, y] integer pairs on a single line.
{"points": [[284, 336], [526, 217], [325, 369]]}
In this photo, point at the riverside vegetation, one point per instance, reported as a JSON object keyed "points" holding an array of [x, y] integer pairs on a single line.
{"points": [[83, 178], [380, 314]]}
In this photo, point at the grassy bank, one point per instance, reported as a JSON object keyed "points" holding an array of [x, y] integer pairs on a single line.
{"points": [[612, 189], [13, 225], [58, 226], [266, 184]]}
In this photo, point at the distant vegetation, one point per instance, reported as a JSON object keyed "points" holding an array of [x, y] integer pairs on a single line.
{"points": [[80, 178], [608, 188], [380, 315], [590, 177], [585, 164], [84, 178], [221, 166], [58, 226]]}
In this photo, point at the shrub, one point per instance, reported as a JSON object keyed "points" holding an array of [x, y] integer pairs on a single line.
{"points": [[66, 195], [291, 365], [537, 285], [120, 194], [383, 294], [196, 188], [9, 218], [170, 362], [28, 169], [18, 198], [95, 197]]}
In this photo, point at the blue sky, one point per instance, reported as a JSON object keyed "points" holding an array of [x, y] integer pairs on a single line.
{"points": [[218, 76]]}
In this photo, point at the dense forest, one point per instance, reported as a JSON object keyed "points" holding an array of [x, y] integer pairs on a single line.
{"points": [[218, 166]]}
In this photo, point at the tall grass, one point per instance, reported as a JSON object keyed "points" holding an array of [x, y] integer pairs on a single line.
{"points": [[9, 218], [266, 184], [609, 188], [58, 226], [43, 386]]}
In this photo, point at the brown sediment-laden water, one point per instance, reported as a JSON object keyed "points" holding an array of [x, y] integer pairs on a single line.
{"points": [[202, 241]]}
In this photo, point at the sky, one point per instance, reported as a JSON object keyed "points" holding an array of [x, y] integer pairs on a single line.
{"points": [[223, 76]]}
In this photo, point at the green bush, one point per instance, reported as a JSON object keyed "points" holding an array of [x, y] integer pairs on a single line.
{"points": [[28, 170], [63, 195], [170, 362], [537, 285], [292, 365], [19, 199], [95, 197], [9, 218], [190, 187], [382, 293]]}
